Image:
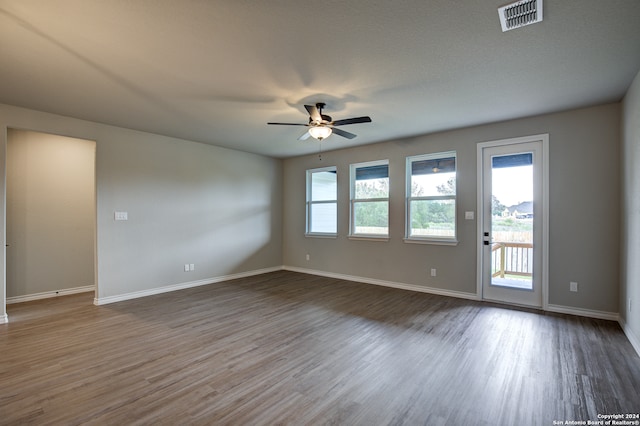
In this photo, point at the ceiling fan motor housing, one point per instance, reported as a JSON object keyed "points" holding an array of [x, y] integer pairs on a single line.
{"points": [[326, 119]]}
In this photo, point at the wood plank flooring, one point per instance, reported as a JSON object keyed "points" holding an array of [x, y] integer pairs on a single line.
{"points": [[289, 348]]}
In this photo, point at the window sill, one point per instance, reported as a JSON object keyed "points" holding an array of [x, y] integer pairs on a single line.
{"points": [[368, 238], [431, 241], [332, 236]]}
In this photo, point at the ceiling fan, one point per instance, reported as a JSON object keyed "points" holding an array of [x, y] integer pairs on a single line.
{"points": [[322, 126]]}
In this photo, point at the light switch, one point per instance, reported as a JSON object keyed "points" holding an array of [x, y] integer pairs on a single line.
{"points": [[121, 216], [469, 215]]}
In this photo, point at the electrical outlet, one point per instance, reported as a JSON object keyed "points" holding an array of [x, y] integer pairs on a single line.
{"points": [[186, 267], [192, 267], [433, 272], [308, 257], [573, 286]]}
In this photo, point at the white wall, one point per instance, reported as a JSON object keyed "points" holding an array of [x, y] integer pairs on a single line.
{"points": [[630, 240], [584, 210], [50, 213], [187, 203]]}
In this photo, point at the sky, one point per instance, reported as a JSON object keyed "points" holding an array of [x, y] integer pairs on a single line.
{"points": [[513, 185]]}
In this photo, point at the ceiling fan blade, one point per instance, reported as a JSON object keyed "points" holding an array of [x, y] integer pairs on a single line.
{"points": [[289, 124], [306, 135], [354, 120], [344, 134], [313, 112]]}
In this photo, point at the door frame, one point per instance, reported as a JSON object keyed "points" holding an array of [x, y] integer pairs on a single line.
{"points": [[544, 139]]}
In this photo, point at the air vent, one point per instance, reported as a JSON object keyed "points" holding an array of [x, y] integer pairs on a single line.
{"points": [[520, 14]]}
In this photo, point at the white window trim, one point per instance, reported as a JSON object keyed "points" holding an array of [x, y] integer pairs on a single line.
{"points": [[413, 239], [309, 203], [352, 179]]}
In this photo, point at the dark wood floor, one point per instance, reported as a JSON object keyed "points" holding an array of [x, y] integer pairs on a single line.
{"points": [[289, 348]]}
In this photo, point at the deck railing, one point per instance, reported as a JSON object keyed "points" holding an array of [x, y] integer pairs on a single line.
{"points": [[511, 259]]}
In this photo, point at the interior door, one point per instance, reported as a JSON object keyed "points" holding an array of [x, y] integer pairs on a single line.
{"points": [[512, 223]]}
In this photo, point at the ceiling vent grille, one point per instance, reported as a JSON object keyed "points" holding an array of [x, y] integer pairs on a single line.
{"points": [[520, 14]]}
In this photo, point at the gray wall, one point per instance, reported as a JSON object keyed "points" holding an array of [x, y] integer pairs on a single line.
{"points": [[50, 212], [584, 209], [230, 212], [187, 203], [630, 241]]}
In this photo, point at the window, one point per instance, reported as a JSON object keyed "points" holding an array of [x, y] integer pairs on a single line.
{"points": [[370, 199], [322, 201], [431, 198]]}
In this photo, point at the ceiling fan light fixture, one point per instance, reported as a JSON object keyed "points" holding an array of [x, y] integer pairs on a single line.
{"points": [[320, 132]]}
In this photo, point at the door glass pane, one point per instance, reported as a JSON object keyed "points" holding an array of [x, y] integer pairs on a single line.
{"points": [[512, 221]]}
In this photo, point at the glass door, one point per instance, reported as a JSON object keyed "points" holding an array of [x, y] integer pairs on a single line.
{"points": [[512, 222]]}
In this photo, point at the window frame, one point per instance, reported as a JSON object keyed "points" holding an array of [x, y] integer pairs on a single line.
{"points": [[430, 239], [353, 201], [310, 203]]}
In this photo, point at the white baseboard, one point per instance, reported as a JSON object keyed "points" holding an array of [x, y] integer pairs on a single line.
{"points": [[181, 286], [403, 286], [4, 319], [611, 316], [50, 294], [635, 341]]}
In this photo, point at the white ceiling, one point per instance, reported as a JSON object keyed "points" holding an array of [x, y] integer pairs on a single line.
{"points": [[218, 71]]}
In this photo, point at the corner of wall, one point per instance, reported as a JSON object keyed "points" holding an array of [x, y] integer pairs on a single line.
{"points": [[630, 215]]}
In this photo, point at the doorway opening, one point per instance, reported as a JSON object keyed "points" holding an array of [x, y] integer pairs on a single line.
{"points": [[51, 216]]}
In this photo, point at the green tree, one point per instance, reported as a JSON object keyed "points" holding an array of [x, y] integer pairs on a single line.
{"points": [[496, 206], [430, 213], [374, 214]]}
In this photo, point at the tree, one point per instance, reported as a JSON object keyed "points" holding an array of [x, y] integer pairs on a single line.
{"points": [[430, 213], [372, 214], [497, 208], [448, 188]]}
